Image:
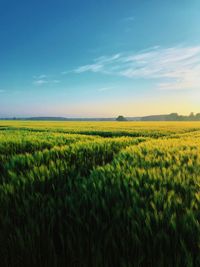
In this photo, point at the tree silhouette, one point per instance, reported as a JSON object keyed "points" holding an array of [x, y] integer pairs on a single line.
{"points": [[121, 118]]}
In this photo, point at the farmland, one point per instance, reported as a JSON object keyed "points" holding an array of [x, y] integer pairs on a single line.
{"points": [[99, 194]]}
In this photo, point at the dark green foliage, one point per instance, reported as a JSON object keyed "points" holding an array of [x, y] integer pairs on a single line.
{"points": [[121, 118]]}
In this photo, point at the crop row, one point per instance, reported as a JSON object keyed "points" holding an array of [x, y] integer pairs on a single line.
{"points": [[104, 129], [19, 142]]}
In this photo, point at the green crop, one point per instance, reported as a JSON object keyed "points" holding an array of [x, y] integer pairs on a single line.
{"points": [[99, 194]]}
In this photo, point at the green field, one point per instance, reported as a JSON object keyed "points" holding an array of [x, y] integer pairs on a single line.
{"points": [[99, 194]]}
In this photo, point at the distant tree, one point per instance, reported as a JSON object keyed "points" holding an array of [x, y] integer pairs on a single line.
{"points": [[173, 117], [198, 116], [121, 118], [191, 115]]}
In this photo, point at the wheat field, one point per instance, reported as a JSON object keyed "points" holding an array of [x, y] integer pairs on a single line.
{"points": [[99, 194]]}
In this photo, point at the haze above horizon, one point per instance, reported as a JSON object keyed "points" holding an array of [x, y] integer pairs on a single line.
{"points": [[99, 58]]}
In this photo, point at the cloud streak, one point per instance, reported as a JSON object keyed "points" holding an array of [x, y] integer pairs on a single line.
{"points": [[92, 67], [173, 68], [40, 82], [43, 79]]}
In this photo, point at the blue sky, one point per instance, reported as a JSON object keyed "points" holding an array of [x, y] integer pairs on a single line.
{"points": [[99, 58]]}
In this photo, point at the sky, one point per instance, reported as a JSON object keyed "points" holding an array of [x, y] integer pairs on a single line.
{"points": [[99, 58]]}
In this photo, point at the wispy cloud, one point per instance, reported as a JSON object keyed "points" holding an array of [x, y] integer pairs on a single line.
{"points": [[40, 82], [93, 68], [43, 79], [66, 72], [101, 64], [171, 68], [40, 77], [2, 91]]}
